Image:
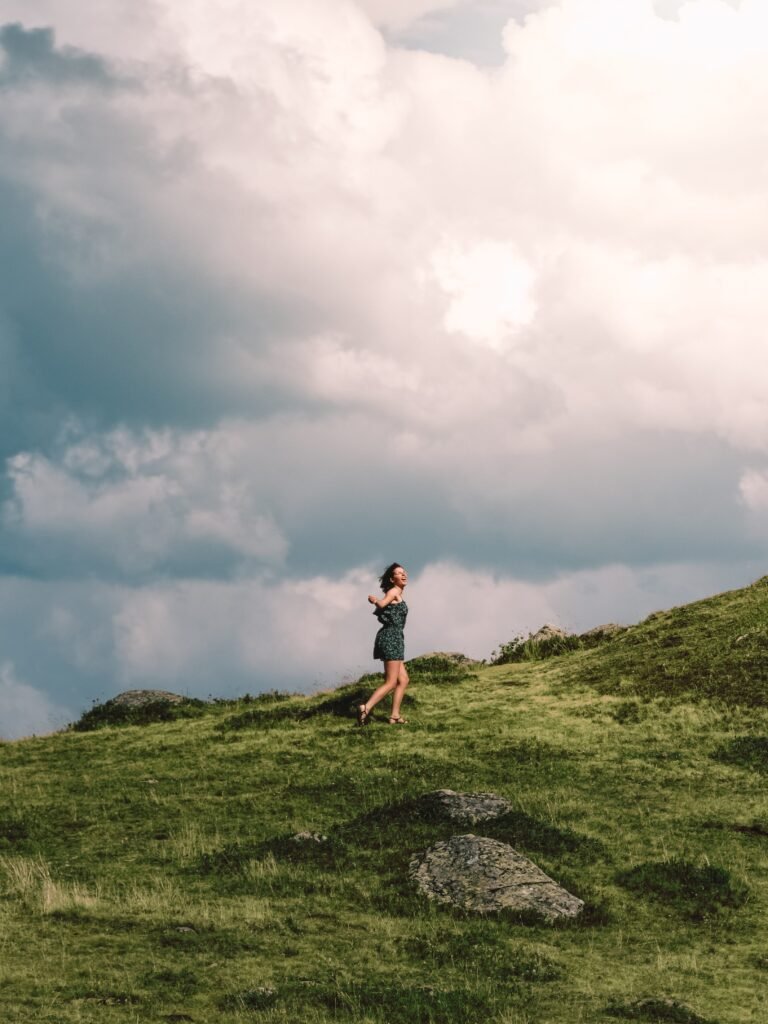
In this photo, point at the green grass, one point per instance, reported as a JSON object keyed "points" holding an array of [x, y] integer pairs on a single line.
{"points": [[147, 870], [101, 715], [715, 649]]}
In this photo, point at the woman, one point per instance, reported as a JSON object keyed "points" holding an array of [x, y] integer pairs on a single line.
{"points": [[389, 647]]}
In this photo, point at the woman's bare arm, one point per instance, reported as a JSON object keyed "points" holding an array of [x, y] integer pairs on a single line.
{"points": [[389, 597]]}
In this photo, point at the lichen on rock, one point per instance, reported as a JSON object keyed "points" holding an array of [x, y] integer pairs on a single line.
{"points": [[467, 808], [485, 876], [136, 698]]}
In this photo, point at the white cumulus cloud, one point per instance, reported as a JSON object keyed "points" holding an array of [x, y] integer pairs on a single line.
{"points": [[285, 295], [138, 502], [25, 710]]}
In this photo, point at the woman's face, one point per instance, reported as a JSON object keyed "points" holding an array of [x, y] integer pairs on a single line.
{"points": [[400, 576]]}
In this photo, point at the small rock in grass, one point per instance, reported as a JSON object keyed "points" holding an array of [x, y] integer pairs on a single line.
{"points": [[603, 631], [467, 808], [485, 876], [309, 837]]}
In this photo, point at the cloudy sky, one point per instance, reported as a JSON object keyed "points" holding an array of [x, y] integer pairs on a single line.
{"points": [[293, 290]]}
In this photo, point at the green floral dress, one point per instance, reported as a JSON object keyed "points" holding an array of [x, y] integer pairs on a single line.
{"points": [[390, 642]]}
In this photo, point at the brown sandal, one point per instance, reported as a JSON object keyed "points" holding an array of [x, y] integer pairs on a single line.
{"points": [[398, 721], [362, 714]]}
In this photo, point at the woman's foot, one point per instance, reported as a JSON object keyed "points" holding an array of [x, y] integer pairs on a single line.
{"points": [[362, 714], [399, 720]]}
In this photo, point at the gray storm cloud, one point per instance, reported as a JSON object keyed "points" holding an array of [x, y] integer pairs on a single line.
{"points": [[285, 295]]}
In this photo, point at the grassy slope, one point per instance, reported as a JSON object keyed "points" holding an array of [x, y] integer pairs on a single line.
{"points": [[145, 872]]}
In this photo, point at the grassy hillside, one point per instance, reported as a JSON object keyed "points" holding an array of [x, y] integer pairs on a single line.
{"points": [[716, 649], [147, 872]]}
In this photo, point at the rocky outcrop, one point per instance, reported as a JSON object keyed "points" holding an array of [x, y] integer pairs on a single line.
{"points": [[465, 808], [486, 876], [605, 630], [599, 634], [548, 632], [454, 656], [136, 698]]}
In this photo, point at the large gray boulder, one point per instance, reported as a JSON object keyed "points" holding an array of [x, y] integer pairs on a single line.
{"points": [[485, 876], [465, 808]]}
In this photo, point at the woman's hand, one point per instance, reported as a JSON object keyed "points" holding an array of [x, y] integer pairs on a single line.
{"points": [[372, 599]]}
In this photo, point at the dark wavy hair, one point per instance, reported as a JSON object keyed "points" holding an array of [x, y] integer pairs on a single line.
{"points": [[385, 580]]}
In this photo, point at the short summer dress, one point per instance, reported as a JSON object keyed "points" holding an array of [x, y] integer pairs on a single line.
{"points": [[390, 642]]}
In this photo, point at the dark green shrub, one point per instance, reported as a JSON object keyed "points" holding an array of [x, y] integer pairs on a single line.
{"points": [[110, 714], [521, 648], [437, 669], [261, 715]]}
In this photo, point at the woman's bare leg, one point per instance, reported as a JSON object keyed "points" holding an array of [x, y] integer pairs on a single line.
{"points": [[391, 675], [400, 688]]}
